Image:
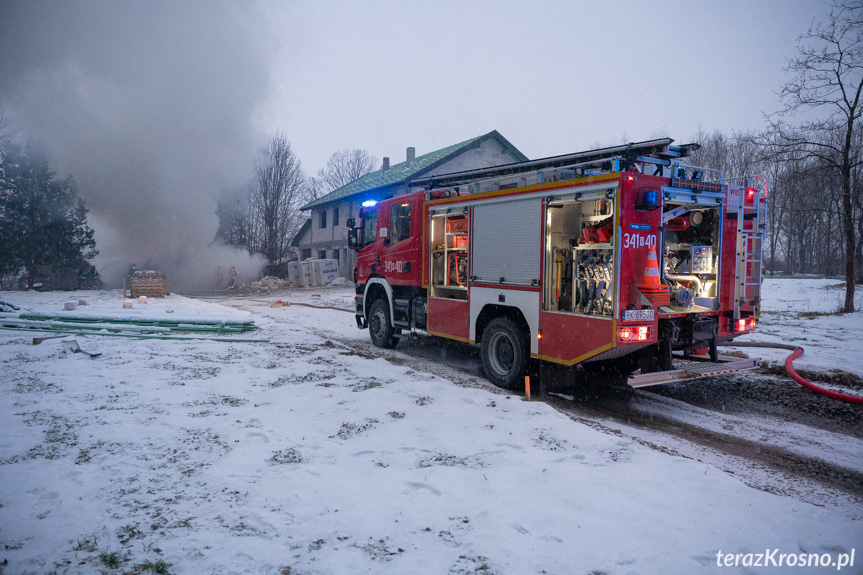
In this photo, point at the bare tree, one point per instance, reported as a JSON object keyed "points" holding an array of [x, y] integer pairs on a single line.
{"points": [[234, 209], [827, 82], [276, 195], [342, 168]]}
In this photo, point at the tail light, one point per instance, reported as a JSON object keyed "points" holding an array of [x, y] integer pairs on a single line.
{"points": [[743, 324], [634, 334]]}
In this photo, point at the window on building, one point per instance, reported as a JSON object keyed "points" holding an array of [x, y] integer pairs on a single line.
{"points": [[336, 254], [335, 216], [323, 218], [305, 254], [322, 254]]}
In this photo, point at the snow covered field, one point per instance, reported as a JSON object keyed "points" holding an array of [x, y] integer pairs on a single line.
{"points": [[302, 455]]}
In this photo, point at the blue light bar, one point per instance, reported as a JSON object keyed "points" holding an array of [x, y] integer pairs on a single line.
{"points": [[651, 198], [369, 203]]}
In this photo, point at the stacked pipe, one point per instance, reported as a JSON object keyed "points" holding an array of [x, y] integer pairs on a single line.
{"points": [[123, 327]]}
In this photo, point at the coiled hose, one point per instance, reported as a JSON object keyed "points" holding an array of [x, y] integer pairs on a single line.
{"points": [[789, 367]]}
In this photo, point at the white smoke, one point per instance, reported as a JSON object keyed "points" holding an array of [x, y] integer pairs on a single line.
{"points": [[149, 105]]}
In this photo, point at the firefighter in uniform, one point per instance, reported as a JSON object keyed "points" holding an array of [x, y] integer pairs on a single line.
{"points": [[232, 284]]}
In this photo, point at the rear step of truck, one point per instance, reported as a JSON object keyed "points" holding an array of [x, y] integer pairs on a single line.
{"points": [[693, 369]]}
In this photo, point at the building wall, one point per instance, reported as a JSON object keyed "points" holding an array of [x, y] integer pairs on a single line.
{"points": [[489, 153], [332, 239]]}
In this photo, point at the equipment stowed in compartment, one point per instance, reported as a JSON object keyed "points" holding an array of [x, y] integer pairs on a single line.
{"points": [[593, 272]]}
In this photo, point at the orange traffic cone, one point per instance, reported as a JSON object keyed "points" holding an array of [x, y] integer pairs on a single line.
{"points": [[652, 288], [651, 270]]}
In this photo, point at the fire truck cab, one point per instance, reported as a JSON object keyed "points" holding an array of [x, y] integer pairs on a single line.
{"points": [[622, 258]]}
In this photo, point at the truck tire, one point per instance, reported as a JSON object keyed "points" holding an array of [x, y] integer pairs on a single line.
{"points": [[381, 329], [504, 353]]}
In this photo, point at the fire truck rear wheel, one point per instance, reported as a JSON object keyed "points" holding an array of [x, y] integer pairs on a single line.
{"points": [[504, 353], [381, 329]]}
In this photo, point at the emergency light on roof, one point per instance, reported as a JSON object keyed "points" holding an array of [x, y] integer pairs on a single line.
{"points": [[369, 203]]}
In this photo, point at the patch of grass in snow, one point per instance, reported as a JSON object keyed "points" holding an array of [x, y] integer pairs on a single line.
{"points": [[396, 414], [87, 544], [471, 565], [283, 457], [424, 400], [127, 532], [34, 384], [160, 567], [190, 372], [110, 559], [366, 384], [350, 429], [243, 529], [59, 435], [296, 379], [297, 349], [545, 442], [444, 460], [25, 358], [86, 453], [218, 400], [814, 314], [379, 549]]}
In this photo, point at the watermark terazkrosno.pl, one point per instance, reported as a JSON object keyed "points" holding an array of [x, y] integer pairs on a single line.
{"points": [[773, 558]]}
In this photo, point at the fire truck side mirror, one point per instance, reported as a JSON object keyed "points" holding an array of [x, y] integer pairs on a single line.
{"points": [[353, 238], [351, 222]]}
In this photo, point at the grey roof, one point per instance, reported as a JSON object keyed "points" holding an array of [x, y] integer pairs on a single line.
{"points": [[400, 173], [303, 229]]}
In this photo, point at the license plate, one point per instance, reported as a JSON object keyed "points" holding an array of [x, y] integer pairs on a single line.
{"points": [[639, 314]]}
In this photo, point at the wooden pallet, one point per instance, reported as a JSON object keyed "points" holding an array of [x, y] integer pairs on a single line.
{"points": [[149, 283]]}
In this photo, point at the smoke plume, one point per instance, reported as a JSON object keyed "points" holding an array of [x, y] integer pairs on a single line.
{"points": [[150, 106]]}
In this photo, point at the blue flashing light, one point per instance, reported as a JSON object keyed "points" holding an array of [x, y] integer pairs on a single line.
{"points": [[651, 198], [369, 203]]}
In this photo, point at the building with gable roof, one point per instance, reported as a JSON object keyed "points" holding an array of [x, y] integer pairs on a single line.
{"points": [[325, 234]]}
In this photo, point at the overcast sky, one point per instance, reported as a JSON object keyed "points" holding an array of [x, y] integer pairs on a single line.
{"points": [[155, 106], [552, 77]]}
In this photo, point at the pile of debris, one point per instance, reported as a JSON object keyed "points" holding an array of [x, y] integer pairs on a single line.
{"points": [[268, 284]]}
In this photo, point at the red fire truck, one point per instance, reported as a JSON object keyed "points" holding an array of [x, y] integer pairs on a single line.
{"points": [[620, 259]]}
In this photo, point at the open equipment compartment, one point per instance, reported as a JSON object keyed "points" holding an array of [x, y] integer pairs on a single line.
{"points": [[579, 268], [691, 243]]}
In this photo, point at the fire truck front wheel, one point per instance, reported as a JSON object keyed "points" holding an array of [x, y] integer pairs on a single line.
{"points": [[381, 329], [504, 353]]}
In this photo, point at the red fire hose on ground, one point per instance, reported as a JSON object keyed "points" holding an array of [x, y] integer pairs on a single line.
{"points": [[789, 367]]}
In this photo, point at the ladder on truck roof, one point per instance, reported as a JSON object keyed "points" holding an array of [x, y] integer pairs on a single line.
{"points": [[750, 243], [615, 158]]}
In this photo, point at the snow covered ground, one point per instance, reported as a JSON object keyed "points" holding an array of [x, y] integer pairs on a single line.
{"points": [[302, 455], [802, 312]]}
